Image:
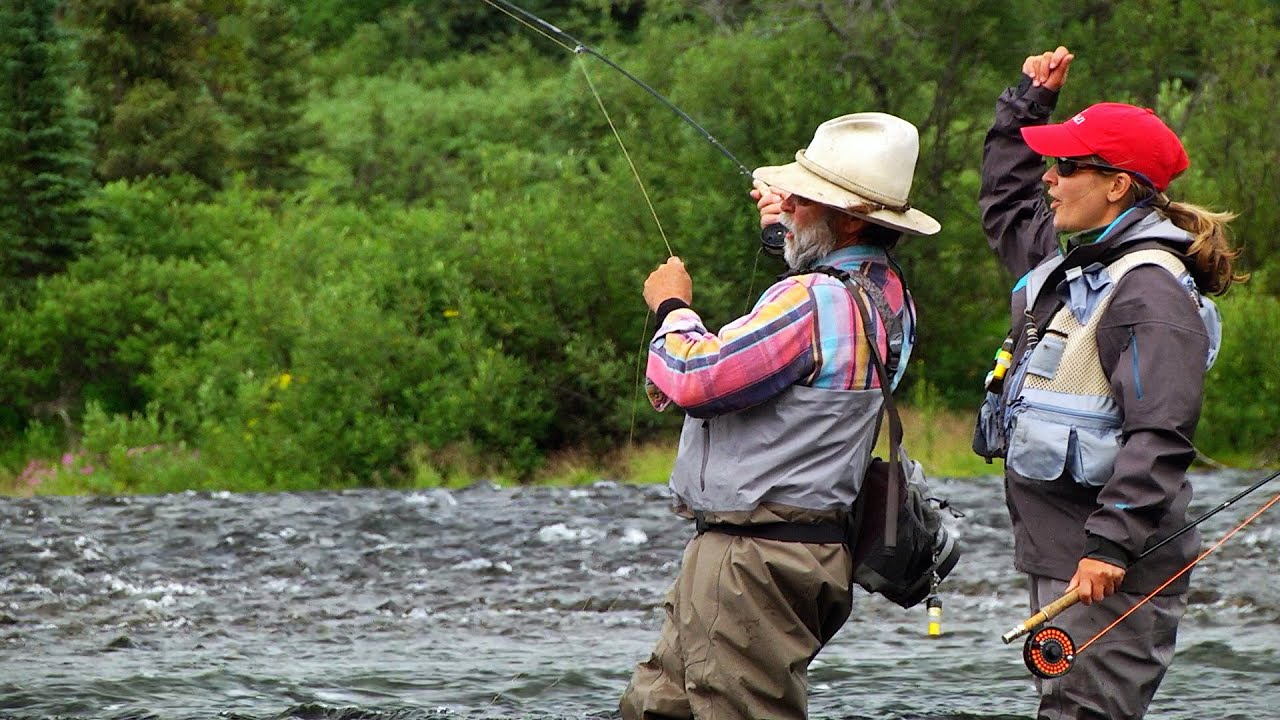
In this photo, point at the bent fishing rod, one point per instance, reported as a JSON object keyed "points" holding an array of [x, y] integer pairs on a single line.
{"points": [[772, 237], [1050, 652]]}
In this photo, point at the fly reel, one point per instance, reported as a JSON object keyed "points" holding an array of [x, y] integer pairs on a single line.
{"points": [[1049, 652], [773, 240]]}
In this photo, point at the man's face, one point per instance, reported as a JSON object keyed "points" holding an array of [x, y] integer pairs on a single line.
{"points": [[809, 233]]}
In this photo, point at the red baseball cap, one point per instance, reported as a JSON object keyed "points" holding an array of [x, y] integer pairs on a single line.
{"points": [[1125, 136]]}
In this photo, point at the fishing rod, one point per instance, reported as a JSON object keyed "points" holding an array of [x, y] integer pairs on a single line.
{"points": [[1050, 651], [771, 237]]}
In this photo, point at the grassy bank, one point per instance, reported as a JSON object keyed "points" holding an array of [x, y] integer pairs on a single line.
{"points": [[938, 438]]}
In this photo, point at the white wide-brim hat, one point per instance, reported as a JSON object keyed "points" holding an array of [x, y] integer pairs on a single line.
{"points": [[862, 164]]}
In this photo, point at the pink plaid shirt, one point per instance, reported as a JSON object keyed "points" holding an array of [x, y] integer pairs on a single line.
{"points": [[778, 343]]}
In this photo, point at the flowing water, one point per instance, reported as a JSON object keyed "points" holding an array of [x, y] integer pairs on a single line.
{"points": [[502, 603]]}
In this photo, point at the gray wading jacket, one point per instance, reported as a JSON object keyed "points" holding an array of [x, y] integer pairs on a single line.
{"points": [[804, 448], [799, 456], [1153, 346]]}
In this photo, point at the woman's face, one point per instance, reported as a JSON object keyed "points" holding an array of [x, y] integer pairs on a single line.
{"points": [[1082, 200]]}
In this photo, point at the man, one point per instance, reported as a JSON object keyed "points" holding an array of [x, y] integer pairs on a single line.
{"points": [[781, 410]]}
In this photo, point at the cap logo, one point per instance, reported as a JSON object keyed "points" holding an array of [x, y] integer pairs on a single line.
{"points": [[1078, 119]]}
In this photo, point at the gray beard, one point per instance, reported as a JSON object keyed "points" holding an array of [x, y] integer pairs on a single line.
{"points": [[807, 244]]}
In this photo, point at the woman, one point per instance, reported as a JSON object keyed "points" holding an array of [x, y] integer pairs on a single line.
{"points": [[1111, 338]]}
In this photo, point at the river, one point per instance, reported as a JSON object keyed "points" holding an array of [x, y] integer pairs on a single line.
{"points": [[490, 602]]}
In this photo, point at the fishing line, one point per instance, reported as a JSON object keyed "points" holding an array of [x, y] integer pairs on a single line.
{"points": [[578, 50], [528, 20], [1181, 572], [631, 430], [529, 25], [635, 173], [525, 17], [751, 287], [772, 236]]}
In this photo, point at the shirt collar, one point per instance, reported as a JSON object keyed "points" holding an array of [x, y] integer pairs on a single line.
{"points": [[1095, 235], [854, 255]]}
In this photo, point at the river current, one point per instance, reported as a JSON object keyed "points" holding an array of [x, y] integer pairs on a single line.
{"points": [[490, 602]]}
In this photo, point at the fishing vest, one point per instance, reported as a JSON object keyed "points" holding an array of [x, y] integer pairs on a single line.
{"points": [[1061, 415], [805, 447]]}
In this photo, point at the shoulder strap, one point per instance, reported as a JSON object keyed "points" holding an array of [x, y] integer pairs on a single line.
{"points": [[892, 323], [1167, 259], [856, 284], [892, 500]]}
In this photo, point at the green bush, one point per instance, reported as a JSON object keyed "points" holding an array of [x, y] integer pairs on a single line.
{"points": [[1240, 417], [456, 287]]}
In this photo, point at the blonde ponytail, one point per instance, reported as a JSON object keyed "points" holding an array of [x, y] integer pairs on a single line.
{"points": [[1212, 256], [1211, 253]]}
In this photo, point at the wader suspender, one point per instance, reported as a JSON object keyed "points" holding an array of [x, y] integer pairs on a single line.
{"points": [[892, 501], [829, 532]]}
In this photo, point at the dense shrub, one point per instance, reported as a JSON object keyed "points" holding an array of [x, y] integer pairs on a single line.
{"points": [[451, 277], [1241, 417]]}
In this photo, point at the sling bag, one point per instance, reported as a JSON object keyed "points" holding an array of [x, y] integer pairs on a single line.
{"points": [[901, 547]]}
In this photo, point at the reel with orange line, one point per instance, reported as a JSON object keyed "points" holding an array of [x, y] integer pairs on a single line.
{"points": [[1049, 652]]}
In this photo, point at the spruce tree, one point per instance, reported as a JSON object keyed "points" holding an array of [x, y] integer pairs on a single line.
{"points": [[154, 110], [268, 106], [45, 173]]}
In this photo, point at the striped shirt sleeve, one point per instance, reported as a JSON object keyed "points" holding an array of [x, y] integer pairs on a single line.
{"points": [[749, 361]]}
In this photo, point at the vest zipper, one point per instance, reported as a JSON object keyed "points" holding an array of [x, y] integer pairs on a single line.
{"points": [[1085, 414], [706, 453], [1137, 379]]}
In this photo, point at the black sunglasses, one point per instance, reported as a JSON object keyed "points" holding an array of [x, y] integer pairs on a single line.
{"points": [[1068, 166]]}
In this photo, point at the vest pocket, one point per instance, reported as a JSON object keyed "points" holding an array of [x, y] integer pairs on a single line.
{"points": [[1046, 443], [1038, 446], [1047, 355], [1093, 456], [988, 430]]}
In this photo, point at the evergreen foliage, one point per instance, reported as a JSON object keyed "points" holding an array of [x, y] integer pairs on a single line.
{"points": [[271, 130], [44, 148], [449, 269], [153, 108]]}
